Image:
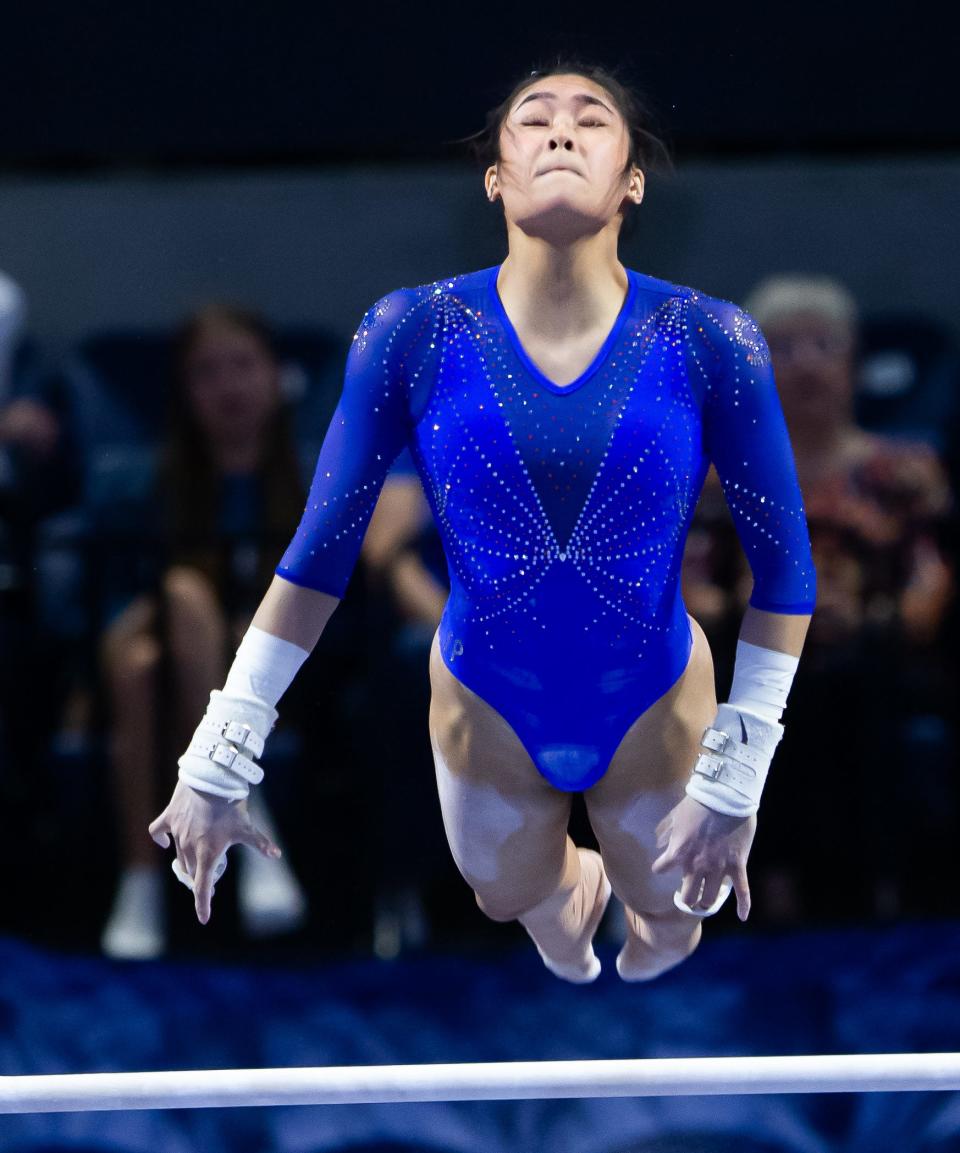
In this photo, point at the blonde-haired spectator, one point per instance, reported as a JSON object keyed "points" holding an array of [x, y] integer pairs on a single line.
{"points": [[875, 500], [876, 506]]}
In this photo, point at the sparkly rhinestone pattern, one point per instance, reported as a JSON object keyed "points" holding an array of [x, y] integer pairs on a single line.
{"points": [[563, 509]]}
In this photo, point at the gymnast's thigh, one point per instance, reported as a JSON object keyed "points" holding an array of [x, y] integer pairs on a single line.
{"points": [[646, 779], [504, 821]]}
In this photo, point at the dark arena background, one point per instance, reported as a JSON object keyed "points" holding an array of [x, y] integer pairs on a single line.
{"points": [[298, 161]]}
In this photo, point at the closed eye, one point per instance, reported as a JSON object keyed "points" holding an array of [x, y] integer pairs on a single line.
{"points": [[583, 123]]}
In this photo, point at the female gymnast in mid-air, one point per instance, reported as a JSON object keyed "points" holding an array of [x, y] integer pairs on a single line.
{"points": [[562, 411]]}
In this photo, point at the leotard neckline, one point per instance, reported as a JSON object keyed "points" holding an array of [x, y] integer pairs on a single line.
{"points": [[561, 389]]}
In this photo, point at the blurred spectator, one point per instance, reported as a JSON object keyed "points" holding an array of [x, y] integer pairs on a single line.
{"points": [[12, 311], [12, 316], [26, 423], [876, 502], [872, 663], [228, 496], [404, 559], [35, 478]]}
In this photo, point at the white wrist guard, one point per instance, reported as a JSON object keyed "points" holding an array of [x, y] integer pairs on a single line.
{"points": [[264, 666], [730, 777], [762, 679], [229, 740], [221, 756]]}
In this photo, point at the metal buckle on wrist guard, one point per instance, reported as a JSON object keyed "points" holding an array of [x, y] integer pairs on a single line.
{"points": [[717, 740], [242, 736], [230, 758], [708, 766], [223, 755]]}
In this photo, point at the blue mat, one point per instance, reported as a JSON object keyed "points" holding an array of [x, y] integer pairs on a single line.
{"points": [[856, 990]]}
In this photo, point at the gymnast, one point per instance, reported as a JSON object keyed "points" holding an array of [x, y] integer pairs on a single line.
{"points": [[562, 411]]}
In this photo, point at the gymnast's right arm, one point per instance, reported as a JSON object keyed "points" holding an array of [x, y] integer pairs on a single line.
{"points": [[207, 812]]}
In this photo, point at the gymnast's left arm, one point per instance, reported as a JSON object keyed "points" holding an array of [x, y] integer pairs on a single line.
{"points": [[710, 832]]}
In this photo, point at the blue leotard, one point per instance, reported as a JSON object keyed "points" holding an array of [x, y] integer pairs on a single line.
{"points": [[563, 510]]}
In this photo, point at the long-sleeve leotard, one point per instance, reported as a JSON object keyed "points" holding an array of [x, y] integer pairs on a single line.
{"points": [[563, 510]]}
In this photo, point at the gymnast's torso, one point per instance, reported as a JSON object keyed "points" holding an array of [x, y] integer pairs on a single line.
{"points": [[563, 509]]}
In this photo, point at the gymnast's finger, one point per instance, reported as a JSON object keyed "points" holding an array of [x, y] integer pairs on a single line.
{"points": [[711, 889], [666, 860], [159, 830], [690, 889], [259, 840], [742, 888], [203, 881], [181, 869], [663, 836], [186, 860]]}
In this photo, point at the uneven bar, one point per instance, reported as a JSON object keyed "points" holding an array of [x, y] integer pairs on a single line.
{"points": [[511, 1080]]}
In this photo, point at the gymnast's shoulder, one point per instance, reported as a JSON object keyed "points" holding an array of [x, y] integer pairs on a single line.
{"points": [[699, 303], [431, 297]]}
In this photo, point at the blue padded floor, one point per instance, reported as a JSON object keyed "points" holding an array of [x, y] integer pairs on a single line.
{"points": [[856, 990]]}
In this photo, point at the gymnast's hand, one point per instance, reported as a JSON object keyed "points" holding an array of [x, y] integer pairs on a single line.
{"points": [[203, 827], [708, 846]]}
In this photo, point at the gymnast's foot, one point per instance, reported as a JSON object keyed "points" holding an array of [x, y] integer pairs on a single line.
{"points": [[572, 957], [656, 943]]}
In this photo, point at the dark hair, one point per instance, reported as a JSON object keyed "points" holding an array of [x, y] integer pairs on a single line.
{"points": [[189, 481], [212, 315], [647, 149]]}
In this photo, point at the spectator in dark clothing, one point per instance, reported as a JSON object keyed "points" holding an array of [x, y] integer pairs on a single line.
{"points": [[28, 426], [228, 496]]}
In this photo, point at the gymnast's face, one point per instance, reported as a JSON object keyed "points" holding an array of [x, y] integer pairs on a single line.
{"points": [[563, 170], [231, 383], [812, 359]]}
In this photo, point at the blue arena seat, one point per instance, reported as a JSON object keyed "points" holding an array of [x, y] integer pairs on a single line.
{"points": [[703, 1142], [26, 368], [908, 377]]}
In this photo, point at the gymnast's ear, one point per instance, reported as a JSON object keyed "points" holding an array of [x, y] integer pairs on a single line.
{"points": [[636, 185], [491, 183]]}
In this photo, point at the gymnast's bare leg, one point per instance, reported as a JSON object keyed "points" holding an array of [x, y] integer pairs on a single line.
{"points": [[644, 782], [507, 829], [507, 826]]}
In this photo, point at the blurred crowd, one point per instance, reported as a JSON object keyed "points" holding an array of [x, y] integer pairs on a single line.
{"points": [[150, 481]]}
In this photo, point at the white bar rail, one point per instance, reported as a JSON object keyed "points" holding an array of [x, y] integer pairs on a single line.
{"points": [[511, 1080]]}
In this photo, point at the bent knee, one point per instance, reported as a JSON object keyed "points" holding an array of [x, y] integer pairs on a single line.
{"points": [[506, 905], [638, 887], [520, 886], [514, 887], [506, 884], [668, 931], [496, 908]]}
